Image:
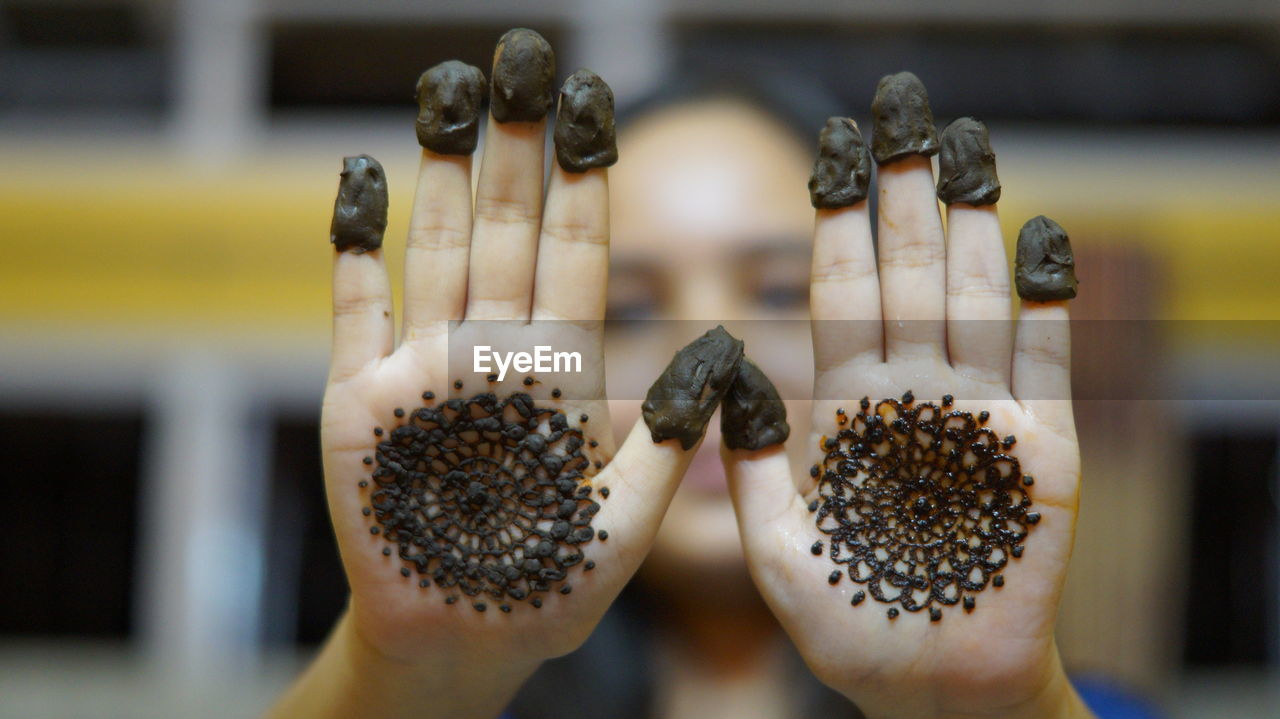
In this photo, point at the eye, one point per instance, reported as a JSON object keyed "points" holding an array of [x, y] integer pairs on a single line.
{"points": [[635, 294], [783, 296]]}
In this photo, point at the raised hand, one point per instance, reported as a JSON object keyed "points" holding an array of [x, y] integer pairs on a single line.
{"points": [[919, 564], [485, 523]]}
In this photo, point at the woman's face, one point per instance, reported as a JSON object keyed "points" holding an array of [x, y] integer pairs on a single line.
{"points": [[710, 224]]}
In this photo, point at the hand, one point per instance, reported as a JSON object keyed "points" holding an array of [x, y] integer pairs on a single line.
{"points": [[452, 603], [932, 319]]}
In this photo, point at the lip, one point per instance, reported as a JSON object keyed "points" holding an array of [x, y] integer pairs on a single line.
{"points": [[706, 472]]}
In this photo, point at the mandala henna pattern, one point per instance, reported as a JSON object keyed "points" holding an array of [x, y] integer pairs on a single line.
{"points": [[922, 504], [485, 495]]}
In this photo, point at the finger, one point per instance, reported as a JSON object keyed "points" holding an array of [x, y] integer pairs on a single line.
{"points": [[573, 251], [362, 324], [508, 208], [1045, 269], [764, 497], [640, 480], [979, 332], [844, 293], [912, 249], [450, 96]]}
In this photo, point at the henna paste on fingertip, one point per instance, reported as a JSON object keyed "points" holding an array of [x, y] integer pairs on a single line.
{"points": [[842, 172], [450, 97], [903, 120], [524, 69], [585, 137], [360, 212], [1045, 267], [685, 395], [752, 415], [966, 165]]}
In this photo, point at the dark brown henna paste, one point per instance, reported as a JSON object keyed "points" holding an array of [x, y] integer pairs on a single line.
{"points": [[966, 165], [585, 137], [842, 172], [360, 212], [685, 395], [489, 496], [524, 70], [752, 415], [903, 119], [450, 98], [922, 504], [1045, 268]]}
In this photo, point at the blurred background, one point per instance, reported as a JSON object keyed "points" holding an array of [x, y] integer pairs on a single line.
{"points": [[164, 305]]}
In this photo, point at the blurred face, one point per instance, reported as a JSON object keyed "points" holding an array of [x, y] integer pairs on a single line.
{"points": [[710, 223]]}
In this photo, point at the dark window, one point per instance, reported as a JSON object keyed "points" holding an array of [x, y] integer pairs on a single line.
{"points": [[1201, 75], [68, 538], [1231, 568], [306, 588], [371, 65]]}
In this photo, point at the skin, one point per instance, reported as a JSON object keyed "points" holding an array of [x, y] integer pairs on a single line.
{"points": [[395, 655]]}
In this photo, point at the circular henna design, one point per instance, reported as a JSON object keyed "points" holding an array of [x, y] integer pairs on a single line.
{"points": [[489, 496], [921, 504]]}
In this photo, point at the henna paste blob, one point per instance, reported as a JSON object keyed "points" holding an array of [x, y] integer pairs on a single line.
{"points": [[903, 119], [524, 68], [752, 415], [1044, 267], [966, 165], [450, 97], [490, 496], [923, 505], [360, 211], [585, 136], [842, 172], [683, 398]]}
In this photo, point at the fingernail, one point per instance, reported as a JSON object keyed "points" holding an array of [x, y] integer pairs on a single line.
{"points": [[903, 120], [450, 96], [682, 400], [752, 415], [1045, 268], [842, 171], [966, 165], [360, 212], [584, 135], [524, 68]]}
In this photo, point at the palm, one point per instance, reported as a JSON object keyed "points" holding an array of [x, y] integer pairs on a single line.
{"points": [[934, 322]]}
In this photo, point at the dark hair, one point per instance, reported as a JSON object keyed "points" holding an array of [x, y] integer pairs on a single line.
{"points": [[801, 105]]}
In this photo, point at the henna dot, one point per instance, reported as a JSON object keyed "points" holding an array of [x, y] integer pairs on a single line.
{"points": [[457, 384], [386, 551], [537, 603], [428, 396], [814, 471], [1028, 480], [404, 571], [450, 599], [998, 580], [1010, 441], [362, 484], [604, 492], [399, 412], [480, 606], [948, 400], [893, 613], [857, 598], [556, 393], [589, 566], [505, 608], [528, 381], [813, 506], [865, 404], [377, 431], [935, 614], [834, 577], [424, 583], [583, 418], [908, 397], [367, 460], [984, 415], [602, 534], [1017, 550], [816, 548], [374, 530], [968, 604], [593, 444], [566, 589], [366, 511]]}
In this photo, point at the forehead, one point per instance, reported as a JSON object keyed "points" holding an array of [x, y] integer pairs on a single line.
{"points": [[706, 174]]}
